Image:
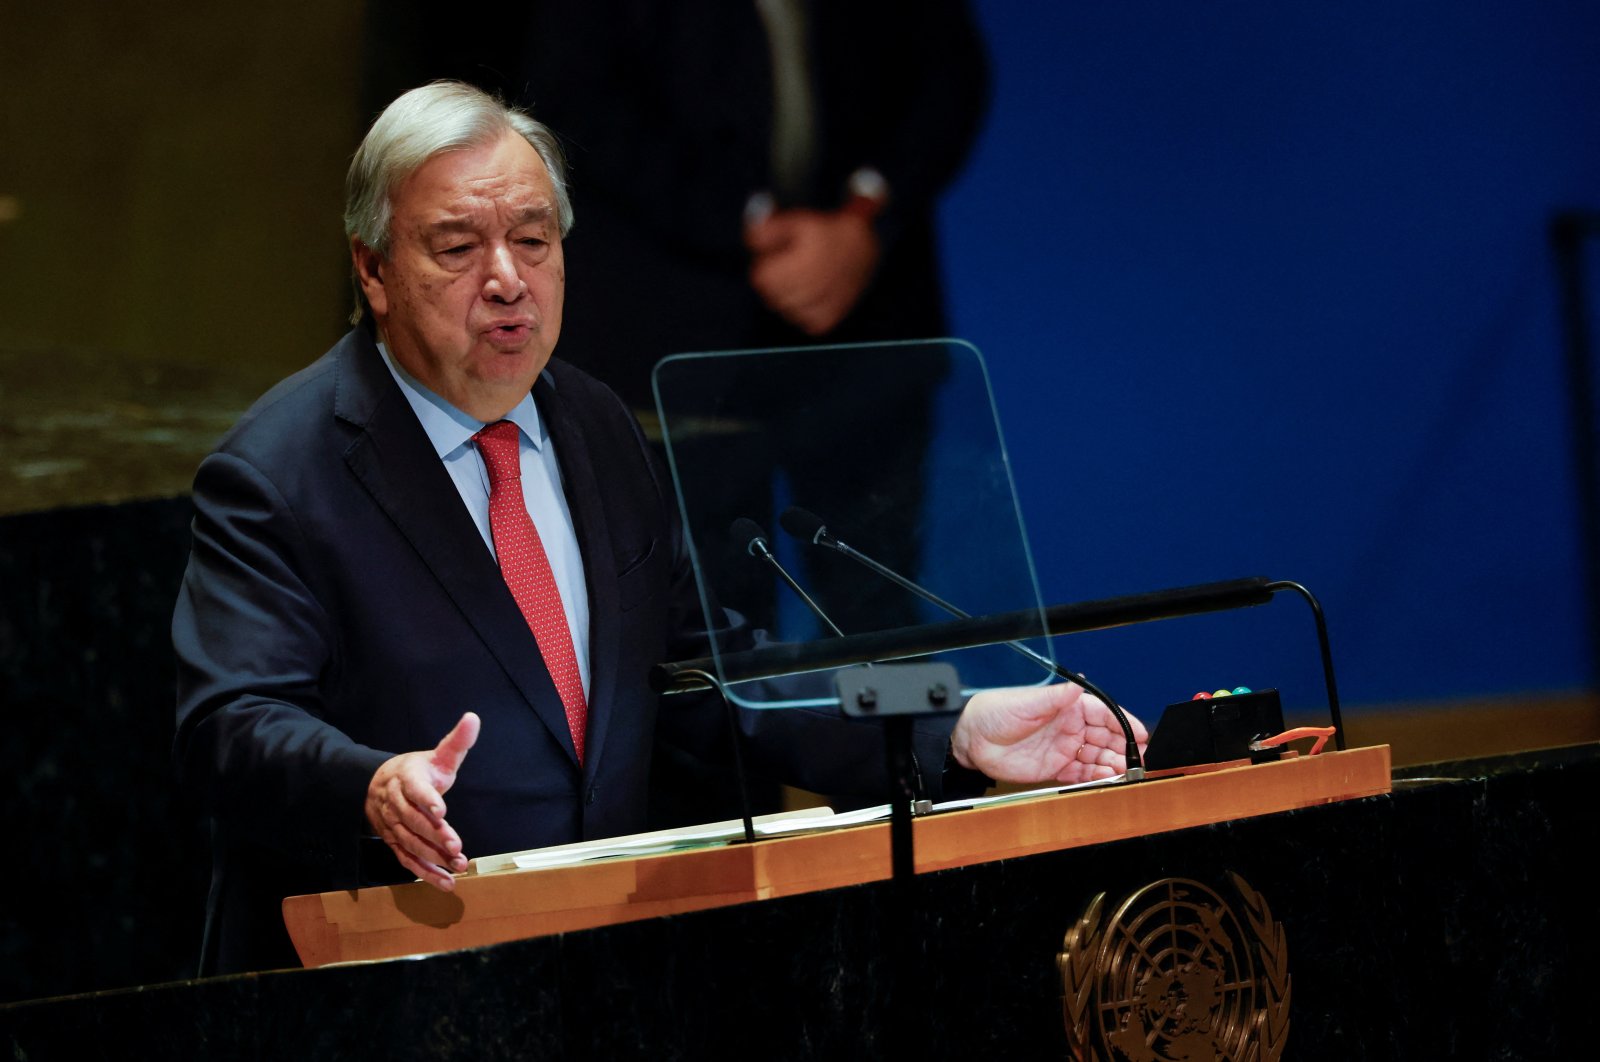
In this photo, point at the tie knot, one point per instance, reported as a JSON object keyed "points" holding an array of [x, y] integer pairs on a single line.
{"points": [[499, 443]]}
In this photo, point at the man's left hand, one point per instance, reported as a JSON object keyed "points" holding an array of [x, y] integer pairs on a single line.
{"points": [[811, 266], [1056, 733]]}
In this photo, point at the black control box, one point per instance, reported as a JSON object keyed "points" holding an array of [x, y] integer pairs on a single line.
{"points": [[1213, 730]]}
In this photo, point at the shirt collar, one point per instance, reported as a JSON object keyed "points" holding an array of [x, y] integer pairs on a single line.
{"points": [[448, 428]]}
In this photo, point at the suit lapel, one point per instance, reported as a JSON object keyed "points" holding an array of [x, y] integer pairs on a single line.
{"points": [[584, 501], [394, 461]]}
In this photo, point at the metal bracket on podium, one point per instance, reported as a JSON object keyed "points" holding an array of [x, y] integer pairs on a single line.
{"points": [[897, 694]]}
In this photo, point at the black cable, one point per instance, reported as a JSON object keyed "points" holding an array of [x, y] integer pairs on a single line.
{"points": [[738, 747]]}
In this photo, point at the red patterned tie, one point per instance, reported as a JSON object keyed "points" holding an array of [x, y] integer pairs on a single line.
{"points": [[527, 570]]}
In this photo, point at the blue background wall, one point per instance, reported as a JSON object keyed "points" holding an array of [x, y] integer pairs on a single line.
{"points": [[1265, 289]]}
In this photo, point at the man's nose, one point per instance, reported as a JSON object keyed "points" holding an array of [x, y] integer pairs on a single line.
{"points": [[502, 283]]}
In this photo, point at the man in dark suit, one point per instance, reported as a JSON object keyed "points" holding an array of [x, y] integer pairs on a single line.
{"points": [[436, 529]]}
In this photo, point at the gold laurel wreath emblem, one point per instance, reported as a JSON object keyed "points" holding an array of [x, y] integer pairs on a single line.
{"points": [[1084, 955], [1272, 1020], [1079, 966]]}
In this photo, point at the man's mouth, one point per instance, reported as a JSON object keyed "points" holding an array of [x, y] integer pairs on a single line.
{"points": [[509, 331]]}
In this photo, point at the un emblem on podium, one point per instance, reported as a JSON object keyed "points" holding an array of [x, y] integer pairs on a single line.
{"points": [[1174, 975]]}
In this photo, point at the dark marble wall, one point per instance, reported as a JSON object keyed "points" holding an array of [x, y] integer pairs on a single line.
{"points": [[108, 871], [1446, 920]]}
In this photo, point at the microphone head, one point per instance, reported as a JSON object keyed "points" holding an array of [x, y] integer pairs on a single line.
{"points": [[804, 525], [746, 531]]}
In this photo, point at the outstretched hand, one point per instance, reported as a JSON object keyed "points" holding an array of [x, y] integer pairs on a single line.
{"points": [[1054, 733], [405, 805]]}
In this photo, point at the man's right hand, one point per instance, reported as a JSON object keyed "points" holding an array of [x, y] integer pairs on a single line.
{"points": [[405, 805], [811, 266]]}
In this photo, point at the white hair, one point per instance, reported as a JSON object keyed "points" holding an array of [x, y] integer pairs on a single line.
{"points": [[428, 121]]}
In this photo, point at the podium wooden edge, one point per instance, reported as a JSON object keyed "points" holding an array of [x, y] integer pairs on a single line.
{"points": [[403, 920]]}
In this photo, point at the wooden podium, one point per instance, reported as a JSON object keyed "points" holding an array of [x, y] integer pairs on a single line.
{"points": [[1448, 915], [392, 921]]}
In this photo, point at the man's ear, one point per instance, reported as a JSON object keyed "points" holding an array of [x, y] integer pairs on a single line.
{"points": [[368, 265]]}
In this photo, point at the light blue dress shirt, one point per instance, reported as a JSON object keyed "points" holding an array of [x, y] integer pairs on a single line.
{"points": [[451, 432]]}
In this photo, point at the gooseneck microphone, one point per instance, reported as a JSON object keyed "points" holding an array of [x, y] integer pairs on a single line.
{"points": [[754, 538], [809, 528]]}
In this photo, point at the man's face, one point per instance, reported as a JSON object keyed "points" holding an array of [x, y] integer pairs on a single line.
{"points": [[469, 298]]}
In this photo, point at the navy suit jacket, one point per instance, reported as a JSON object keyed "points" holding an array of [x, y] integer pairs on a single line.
{"points": [[340, 607]]}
